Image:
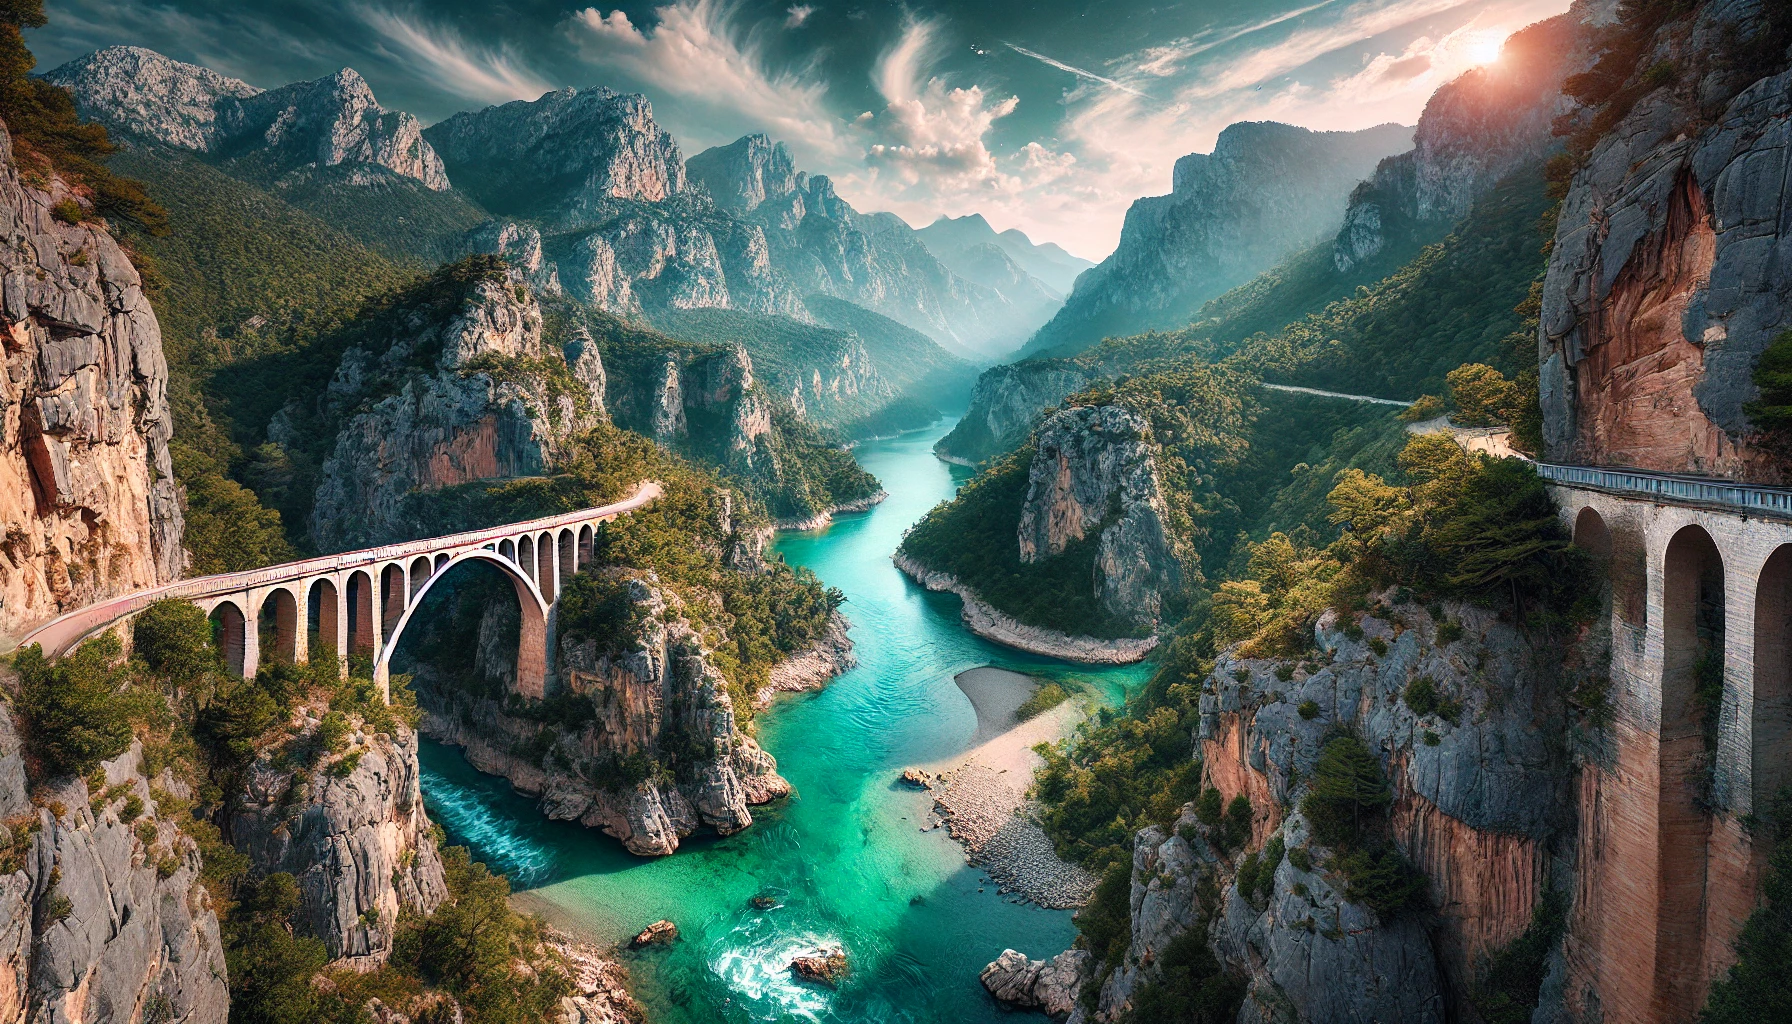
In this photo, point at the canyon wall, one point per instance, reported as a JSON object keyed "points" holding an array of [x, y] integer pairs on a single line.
{"points": [[1667, 279], [86, 487], [641, 742]]}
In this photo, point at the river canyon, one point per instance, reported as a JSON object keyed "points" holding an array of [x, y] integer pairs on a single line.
{"points": [[844, 857]]}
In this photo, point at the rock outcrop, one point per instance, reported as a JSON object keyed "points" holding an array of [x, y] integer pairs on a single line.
{"points": [[1669, 275], [352, 831], [652, 752], [1475, 130], [1266, 190], [86, 486], [102, 914], [985, 620], [1006, 403], [462, 398], [1481, 796], [1093, 475], [1049, 986], [328, 122]]}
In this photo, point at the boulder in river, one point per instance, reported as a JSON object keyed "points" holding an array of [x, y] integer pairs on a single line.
{"points": [[825, 966], [659, 933], [1049, 986], [916, 777]]}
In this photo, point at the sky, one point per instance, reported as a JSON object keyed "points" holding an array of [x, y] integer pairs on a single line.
{"points": [[1051, 117]]}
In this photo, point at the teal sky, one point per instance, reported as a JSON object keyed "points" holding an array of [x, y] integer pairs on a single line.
{"points": [[1050, 117]]}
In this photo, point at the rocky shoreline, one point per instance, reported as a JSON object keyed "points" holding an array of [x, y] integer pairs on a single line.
{"points": [[826, 516], [990, 624], [807, 670]]}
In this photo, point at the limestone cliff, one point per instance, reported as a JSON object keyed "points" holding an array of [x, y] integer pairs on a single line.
{"points": [[1265, 191], [473, 394], [86, 487], [1482, 794], [1006, 403], [1669, 275], [352, 830], [1475, 130], [328, 122], [102, 914], [641, 740], [1093, 476]]}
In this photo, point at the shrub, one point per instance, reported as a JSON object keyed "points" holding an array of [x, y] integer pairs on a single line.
{"points": [[1309, 709], [1378, 645], [1042, 700], [68, 211], [1483, 395], [1190, 986], [1349, 794], [1424, 698], [1300, 858], [1237, 828], [1758, 986], [1284, 672], [1507, 989], [174, 638], [74, 713], [270, 967], [1427, 407], [1448, 632], [1211, 808], [1106, 922], [132, 810]]}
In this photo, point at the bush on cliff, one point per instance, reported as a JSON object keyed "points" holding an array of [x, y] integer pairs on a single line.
{"points": [[1758, 986], [75, 713], [174, 638], [1347, 805]]}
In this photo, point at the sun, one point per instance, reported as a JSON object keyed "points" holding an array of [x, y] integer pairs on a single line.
{"points": [[1484, 47]]}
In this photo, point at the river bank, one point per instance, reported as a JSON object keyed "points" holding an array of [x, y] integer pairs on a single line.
{"points": [[981, 794], [826, 516], [987, 622]]}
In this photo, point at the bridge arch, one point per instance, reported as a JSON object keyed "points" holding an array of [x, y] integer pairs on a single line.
{"points": [[231, 628], [280, 626], [1771, 720], [545, 577], [586, 537], [567, 542], [1592, 535], [531, 660], [421, 569], [1692, 680], [393, 592], [323, 603], [362, 634]]}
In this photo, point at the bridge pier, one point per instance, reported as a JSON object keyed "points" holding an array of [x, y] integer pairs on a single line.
{"points": [[1667, 870]]}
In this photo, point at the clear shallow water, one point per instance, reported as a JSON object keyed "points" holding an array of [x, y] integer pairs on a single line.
{"points": [[844, 856]]}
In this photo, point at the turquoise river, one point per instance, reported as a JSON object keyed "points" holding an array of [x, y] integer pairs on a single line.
{"points": [[844, 855]]}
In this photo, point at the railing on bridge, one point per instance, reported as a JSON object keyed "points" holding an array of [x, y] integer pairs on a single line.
{"points": [[1674, 489]]}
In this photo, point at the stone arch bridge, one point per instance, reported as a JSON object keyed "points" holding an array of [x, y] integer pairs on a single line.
{"points": [[1668, 854], [361, 601]]}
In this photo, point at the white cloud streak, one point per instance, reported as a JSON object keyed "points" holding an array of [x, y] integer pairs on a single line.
{"points": [[440, 56], [798, 14], [1079, 72]]}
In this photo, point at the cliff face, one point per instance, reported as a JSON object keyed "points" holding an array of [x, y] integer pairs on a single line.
{"points": [[1476, 810], [102, 916], [86, 488], [568, 155], [650, 754], [1474, 131], [1005, 403], [1669, 273], [1266, 190], [491, 403], [1093, 476], [354, 834], [328, 122]]}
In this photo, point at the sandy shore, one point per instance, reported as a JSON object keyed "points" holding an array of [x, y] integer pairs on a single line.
{"points": [[981, 793]]}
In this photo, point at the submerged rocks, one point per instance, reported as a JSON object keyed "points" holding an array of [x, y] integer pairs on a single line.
{"points": [[1049, 986], [917, 778]]}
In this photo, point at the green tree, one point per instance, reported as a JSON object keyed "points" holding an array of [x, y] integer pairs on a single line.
{"points": [[1758, 986], [270, 967], [175, 639], [1483, 395], [74, 711], [1349, 793]]}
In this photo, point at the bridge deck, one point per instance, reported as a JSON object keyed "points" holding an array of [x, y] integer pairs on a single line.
{"points": [[1674, 489], [59, 632]]}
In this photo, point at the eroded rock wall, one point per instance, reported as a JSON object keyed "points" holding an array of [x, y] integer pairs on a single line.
{"points": [[352, 831], [87, 491], [1669, 276], [1005, 403], [1093, 475], [652, 752]]}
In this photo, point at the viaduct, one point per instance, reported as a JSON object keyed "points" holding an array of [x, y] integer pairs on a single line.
{"points": [[360, 601]]}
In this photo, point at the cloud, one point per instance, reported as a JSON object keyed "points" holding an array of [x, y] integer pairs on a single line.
{"points": [[1079, 72], [798, 14], [716, 72], [930, 136], [442, 58]]}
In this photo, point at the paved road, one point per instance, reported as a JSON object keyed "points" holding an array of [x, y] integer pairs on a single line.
{"points": [[1336, 394]]}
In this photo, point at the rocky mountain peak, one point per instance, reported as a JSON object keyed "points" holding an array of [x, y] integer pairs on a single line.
{"points": [[744, 173], [567, 156], [331, 121], [149, 95]]}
